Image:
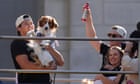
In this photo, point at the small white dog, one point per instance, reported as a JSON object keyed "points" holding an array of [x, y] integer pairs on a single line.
{"points": [[47, 27]]}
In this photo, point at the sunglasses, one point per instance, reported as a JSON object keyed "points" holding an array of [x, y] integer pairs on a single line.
{"points": [[113, 35]]}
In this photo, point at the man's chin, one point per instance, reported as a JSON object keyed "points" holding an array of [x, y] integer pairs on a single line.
{"points": [[112, 43]]}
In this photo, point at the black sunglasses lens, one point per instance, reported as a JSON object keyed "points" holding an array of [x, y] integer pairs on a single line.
{"points": [[112, 35]]}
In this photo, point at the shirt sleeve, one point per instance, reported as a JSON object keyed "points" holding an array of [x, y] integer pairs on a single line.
{"points": [[18, 48], [104, 49]]}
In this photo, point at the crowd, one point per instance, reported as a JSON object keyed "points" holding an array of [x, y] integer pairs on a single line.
{"points": [[117, 55], [43, 55]]}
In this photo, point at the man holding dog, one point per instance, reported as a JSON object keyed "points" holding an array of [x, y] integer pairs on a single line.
{"points": [[23, 55]]}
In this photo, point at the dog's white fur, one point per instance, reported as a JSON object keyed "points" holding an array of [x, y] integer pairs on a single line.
{"points": [[39, 47]]}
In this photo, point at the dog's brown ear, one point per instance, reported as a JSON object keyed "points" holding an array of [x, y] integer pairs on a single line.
{"points": [[42, 21], [53, 23]]}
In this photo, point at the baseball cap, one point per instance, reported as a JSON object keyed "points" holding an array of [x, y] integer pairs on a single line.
{"points": [[21, 18], [120, 30]]}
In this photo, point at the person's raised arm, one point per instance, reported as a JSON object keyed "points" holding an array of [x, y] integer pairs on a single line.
{"points": [[90, 30]]}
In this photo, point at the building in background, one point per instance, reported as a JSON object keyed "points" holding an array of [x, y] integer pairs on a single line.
{"points": [[79, 55]]}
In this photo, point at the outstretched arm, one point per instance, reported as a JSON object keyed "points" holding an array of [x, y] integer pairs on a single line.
{"points": [[90, 30]]}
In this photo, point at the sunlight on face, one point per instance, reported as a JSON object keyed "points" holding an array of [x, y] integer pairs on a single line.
{"points": [[114, 57], [114, 34], [26, 26]]}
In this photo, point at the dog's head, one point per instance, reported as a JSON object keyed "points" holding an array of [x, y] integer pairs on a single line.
{"points": [[47, 24]]}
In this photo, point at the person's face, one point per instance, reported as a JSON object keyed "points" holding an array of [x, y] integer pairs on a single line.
{"points": [[26, 26], [114, 57], [114, 34]]}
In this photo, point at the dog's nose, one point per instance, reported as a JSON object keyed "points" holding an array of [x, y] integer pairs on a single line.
{"points": [[46, 28], [39, 34]]}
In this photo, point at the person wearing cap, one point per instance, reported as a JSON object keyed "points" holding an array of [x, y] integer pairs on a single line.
{"points": [[23, 55], [116, 31]]}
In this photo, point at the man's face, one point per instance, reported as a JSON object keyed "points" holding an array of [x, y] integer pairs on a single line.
{"points": [[114, 34], [26, 26]]}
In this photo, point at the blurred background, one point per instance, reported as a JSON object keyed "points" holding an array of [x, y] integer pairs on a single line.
{"points": [[78, 55]]}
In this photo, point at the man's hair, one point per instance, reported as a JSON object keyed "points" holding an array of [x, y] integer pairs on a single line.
{"points": [[138, 26]]}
